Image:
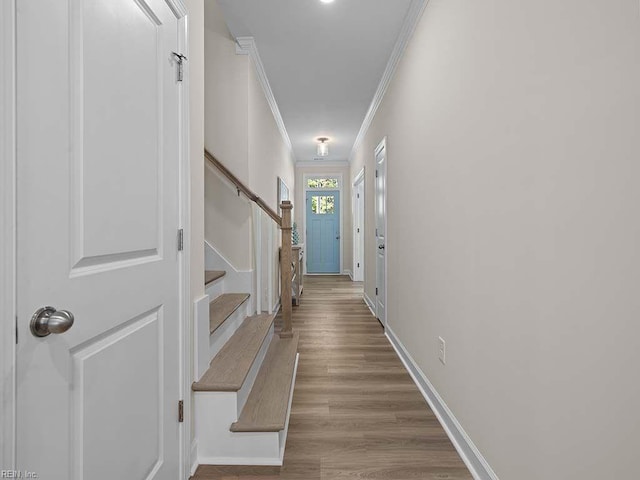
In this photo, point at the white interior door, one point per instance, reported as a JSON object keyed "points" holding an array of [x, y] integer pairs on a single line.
{"points": [[381, 231], [98, 159], [358, 231]]}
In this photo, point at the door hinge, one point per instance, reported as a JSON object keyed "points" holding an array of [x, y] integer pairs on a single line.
{"points": [[179, 58], [358, 195], [16, 329], [181, 411], [358, 231], [376, 173], [358, 265], [376, 290], [180, 240], [376, 233]]}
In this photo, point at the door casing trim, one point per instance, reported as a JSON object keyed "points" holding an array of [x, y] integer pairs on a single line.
{"points": [[8, 232], [184, 282]]}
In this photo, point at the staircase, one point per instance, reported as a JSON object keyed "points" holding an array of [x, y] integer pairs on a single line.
{"points": [[245, 371]]}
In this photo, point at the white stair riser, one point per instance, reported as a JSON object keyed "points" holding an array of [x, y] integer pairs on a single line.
{"points": [[215, 412], [216, 288], [226, 330], [217, 445], [202, 356]]}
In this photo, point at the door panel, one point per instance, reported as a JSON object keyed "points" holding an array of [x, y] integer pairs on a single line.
{"points": [[97, 404], [323, 231], [125, 163], [381, 229], [98, 214], [127, 159]]}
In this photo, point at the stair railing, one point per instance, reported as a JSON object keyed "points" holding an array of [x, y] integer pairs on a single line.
{"points": [[284, 223]]}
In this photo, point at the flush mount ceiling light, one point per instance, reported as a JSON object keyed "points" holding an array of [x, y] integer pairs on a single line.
{"points": [[323, 147], [326, 1]]}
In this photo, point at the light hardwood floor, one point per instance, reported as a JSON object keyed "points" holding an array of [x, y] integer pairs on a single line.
{"points": [[356, 412]]}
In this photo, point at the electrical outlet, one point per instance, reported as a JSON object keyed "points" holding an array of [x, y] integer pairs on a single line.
{"points": [[442, 352]]}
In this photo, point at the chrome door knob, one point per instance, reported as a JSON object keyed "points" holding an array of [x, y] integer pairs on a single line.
{"points": [[48, 320]]}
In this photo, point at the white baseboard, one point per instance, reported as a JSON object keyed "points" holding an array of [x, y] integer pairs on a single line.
{"points": [[251, 461], [194, 456], [473, 459], [370, 304], [348, 272]]}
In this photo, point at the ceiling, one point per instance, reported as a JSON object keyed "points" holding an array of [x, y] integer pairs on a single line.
{"points": [[324, 62]]}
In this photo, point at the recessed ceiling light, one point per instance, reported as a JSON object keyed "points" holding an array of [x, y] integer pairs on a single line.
{"points": [[326, 1]]}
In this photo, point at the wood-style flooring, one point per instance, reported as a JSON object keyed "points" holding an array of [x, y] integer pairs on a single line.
{"points": [[356, 412]]}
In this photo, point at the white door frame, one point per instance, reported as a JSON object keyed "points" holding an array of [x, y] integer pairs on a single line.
{"points": [[7, 233], [383, 145], [306, 189], [184, 260], [355, 211]]}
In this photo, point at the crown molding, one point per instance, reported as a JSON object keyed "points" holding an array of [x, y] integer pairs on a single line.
{"points": [[178, 7], [247, 46], [322, 163], [414, 13]]}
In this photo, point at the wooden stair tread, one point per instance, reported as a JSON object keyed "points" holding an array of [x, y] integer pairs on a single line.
{"points": [[213, 275], [268, 402], [222, 308], [231, 365]]}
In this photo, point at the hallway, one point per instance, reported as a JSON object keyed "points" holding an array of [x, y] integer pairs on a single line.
{"points": [[356, 412]]}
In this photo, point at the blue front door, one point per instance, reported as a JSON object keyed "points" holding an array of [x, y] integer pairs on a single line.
{"points": [[323, 231]]}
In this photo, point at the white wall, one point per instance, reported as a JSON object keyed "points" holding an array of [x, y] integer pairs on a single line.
{"points": [[513, 154], [196, 142], [269, 156], [347, 227], [195, 78], [241, 132], [226, 104]]}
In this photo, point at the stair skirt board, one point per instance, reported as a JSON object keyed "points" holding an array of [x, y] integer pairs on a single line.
{"points": [[217, 445]]}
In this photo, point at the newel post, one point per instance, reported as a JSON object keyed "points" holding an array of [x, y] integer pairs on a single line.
{"points": [[285, 270]]}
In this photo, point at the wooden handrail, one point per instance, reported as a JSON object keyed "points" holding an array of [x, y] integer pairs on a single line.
{"points": [[243, 188], [284, 223]]}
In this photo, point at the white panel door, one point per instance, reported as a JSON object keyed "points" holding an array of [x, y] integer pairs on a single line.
{"points": [[358, 231], [381, 231], [98, 159]]}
